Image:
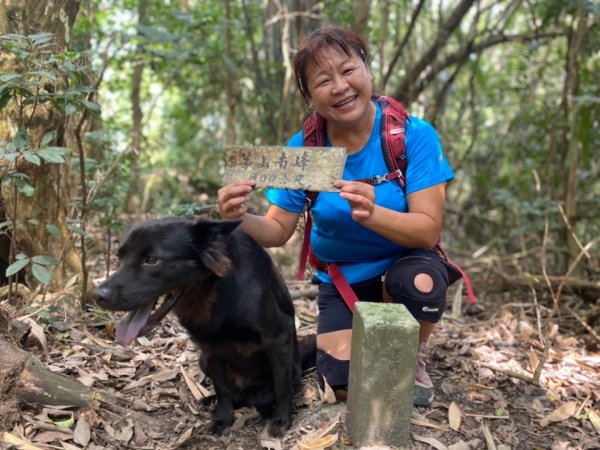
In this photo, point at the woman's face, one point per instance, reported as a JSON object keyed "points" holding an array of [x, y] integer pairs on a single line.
{"points": [[340, 87]]}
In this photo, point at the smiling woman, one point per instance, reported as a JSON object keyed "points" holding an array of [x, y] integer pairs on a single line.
{"points": [[372, 229]]}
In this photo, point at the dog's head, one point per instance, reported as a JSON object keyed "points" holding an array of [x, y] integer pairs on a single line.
{"points": [[162, 258]]}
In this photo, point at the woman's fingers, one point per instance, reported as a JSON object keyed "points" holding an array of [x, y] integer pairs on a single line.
{"points": [[232, 198], [360, 196]]}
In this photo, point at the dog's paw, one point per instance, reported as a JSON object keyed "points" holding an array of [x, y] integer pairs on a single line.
{"points": [[279, 426]]}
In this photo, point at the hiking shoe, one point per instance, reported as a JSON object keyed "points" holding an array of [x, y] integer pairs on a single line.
{"points": [[423, 385]]}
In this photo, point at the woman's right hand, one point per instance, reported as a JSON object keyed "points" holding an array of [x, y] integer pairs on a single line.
{"points": [[232, 198]]}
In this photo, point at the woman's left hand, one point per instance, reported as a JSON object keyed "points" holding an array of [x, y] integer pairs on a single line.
{"points": [[360, 196]]}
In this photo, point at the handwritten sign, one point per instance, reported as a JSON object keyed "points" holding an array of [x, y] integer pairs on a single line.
{"points": [[305, 168]]}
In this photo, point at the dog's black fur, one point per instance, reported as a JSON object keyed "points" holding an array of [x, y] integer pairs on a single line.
{"points": [[226, 292]]}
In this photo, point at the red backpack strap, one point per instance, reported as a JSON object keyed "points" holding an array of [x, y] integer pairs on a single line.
{"points": [[393, 133], [313, 136]]}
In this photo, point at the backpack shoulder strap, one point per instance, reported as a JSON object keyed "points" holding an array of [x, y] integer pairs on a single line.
{"points": [[393, 133], [313, 136]]}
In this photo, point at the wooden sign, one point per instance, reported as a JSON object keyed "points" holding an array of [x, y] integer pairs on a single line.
{"points": [[305, 168]]}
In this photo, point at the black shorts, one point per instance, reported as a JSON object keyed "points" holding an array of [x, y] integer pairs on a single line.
{"points": [[334, 314]]}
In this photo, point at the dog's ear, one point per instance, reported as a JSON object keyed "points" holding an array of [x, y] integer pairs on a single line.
{"points": [[210, 238]]}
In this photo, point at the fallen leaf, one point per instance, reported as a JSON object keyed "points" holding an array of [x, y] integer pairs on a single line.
{"points": [[489, 439], [68, 446], [533, 359], [328, 396], [18, 442], [198, 391], [460, 445], [82, 432], [454, 416], [561, 413], [321, 443], [268, 441], [429, 440], [595, 419]]}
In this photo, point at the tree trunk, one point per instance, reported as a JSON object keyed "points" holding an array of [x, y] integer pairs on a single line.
{"points": [[135, 188], [26, 377], [571, 142], [231, 81], [361, 25], [49, 203]]}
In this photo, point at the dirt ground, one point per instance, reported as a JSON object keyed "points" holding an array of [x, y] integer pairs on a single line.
{"points": [[482, 361]]}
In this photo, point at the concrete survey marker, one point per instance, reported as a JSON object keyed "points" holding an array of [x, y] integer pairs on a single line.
{"points": [[304, 168], [382, 375]]}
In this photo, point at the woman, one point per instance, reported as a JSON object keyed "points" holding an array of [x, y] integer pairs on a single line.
{"points": [[373, 231]]}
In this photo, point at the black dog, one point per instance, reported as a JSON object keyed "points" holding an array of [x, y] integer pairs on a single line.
{"points": [[226, 292]]}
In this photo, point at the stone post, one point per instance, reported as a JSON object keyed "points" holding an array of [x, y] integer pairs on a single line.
{"points": [[382, 374]]}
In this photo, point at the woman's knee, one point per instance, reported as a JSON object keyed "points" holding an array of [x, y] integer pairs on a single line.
{"points": [[420, 285]]}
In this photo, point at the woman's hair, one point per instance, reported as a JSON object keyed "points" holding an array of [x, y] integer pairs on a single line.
{"points": [[313, 45]]}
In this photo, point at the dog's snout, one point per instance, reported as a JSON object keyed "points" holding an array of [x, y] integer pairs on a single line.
{"points": [[102, 295]]}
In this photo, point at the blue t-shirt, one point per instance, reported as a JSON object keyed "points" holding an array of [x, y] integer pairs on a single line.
{"points": [[335, 237]]}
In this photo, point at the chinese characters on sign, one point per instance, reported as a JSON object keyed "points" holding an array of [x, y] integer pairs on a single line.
{"points": [[305, 168]]}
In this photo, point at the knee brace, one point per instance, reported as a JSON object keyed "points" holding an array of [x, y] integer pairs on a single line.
{"points": [[400, 283]]}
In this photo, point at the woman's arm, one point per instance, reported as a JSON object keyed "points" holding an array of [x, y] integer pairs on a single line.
{"points": [[272, 230], [420, 227]]}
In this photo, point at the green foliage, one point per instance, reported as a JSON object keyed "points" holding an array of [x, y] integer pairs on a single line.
{"points": [[40, 78], [39, 266], [499, 110]]}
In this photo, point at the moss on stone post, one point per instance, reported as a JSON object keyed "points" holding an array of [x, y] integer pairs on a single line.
{"points": [[382, 374]]}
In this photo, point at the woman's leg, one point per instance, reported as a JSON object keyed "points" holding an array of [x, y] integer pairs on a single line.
{"points": [[334, 332], [419, 281]]}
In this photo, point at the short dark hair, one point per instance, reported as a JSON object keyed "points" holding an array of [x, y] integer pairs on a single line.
{"points": [[312, 46]]}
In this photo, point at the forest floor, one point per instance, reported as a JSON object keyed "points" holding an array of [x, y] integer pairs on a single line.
{"points": [[482, 362]]}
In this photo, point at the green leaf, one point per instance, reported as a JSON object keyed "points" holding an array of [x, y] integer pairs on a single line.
{"points": [[45, 260], [11, 156], [76, 229], [16, 266], [21, 256], [25, 188], [52, 154], [9, 77], [70, 109], [40, 37], [62, 336], [53, 230], [32, 158], [92, 107], [71, 281], [33, 221], [4, 98], [48, 137], [21, 139], [41, 273]]}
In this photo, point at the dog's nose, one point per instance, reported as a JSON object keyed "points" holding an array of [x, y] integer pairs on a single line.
{"points": [[101, 295]]}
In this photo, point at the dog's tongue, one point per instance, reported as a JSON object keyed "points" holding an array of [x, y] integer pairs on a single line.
{"points": [[130, 326]]}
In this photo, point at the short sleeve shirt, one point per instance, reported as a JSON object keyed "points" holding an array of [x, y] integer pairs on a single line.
{"points": [[335, 237]]}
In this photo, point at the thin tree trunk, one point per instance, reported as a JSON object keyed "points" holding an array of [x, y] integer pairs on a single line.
{"points": [[361, 24], [572, 145], [230, 83], [137, 117]]}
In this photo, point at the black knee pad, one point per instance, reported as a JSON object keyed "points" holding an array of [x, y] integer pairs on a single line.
{"points": [[400, 283], [334, 370]]}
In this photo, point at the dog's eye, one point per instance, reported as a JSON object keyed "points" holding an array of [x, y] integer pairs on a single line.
{"points": [[151, 260]]}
